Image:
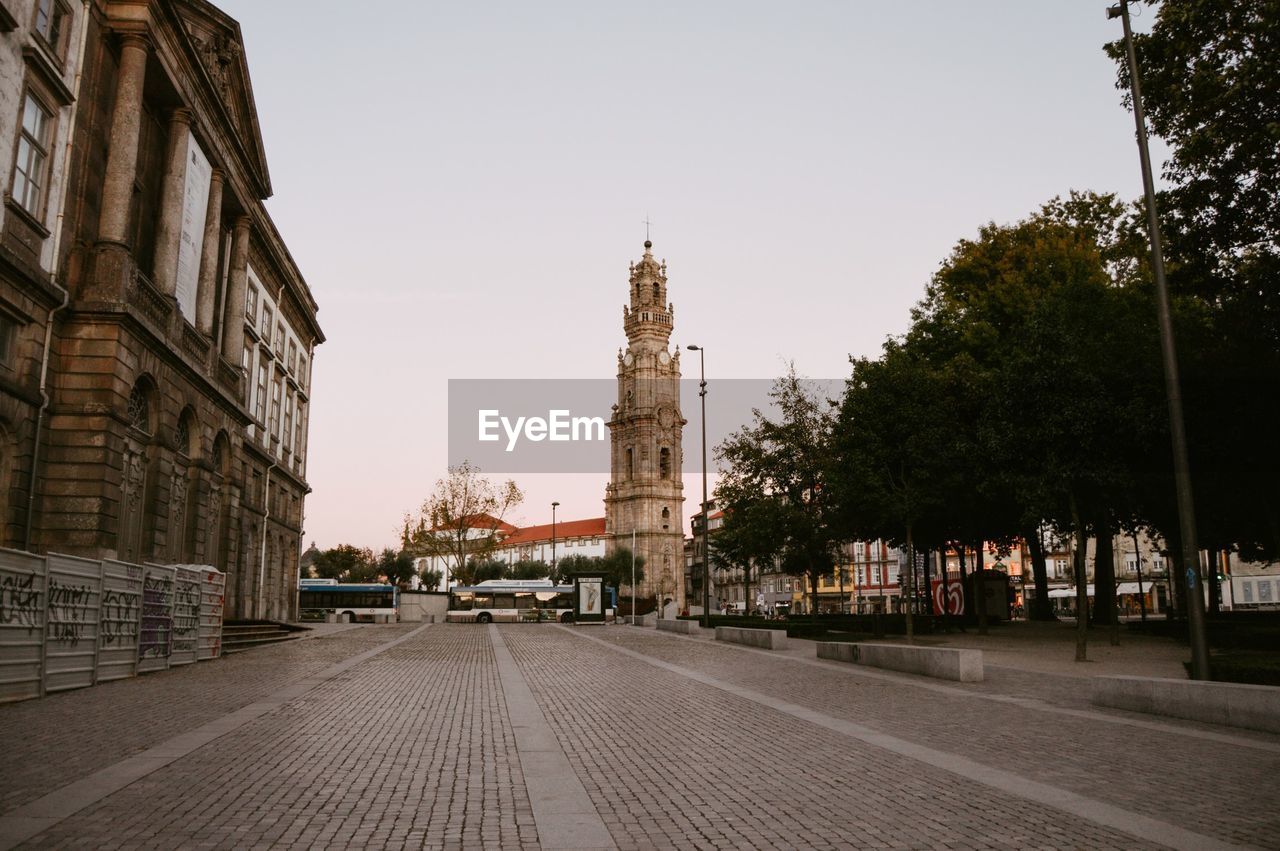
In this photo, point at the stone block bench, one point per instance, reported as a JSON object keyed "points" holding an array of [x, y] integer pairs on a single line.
{"points": [[770, 639], [1233, 704], [941, 662], [682, 627]]}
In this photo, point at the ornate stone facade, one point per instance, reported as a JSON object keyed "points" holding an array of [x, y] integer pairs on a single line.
{"points": [[645, 494], [164, 416]]}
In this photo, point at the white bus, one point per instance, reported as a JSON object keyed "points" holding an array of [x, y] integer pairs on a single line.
{"points": [[511, 601], [319, 598]]}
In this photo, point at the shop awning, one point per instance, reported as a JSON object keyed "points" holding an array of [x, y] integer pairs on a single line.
{"points": [[1070, 592], [1132, 588]]}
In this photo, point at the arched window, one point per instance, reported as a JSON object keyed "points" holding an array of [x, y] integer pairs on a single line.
{"points": [[631, 466], [657, 293], [220, 455], [139, 414], [185, 432], [664, 463]]}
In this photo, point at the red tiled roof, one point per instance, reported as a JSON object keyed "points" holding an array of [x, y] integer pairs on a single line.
{"points": [[592, 528], [480, 521]]}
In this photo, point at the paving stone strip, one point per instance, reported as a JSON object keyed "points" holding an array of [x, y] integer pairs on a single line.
{"points": [[1099, 812], [562, 809], [39, 815], [1036, 704]]}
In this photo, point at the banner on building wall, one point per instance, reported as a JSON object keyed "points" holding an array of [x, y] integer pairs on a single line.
{"points": [[195, 204]]}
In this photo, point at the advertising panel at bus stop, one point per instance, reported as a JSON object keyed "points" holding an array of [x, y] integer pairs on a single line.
{"points": [[588, 598]]}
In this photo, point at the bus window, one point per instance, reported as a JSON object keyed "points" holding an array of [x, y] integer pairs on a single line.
{"points": [[504, 601], [484, 600], [462, 601]]}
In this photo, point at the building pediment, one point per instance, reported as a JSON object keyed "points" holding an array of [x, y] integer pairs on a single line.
{"points": [[215, 39]]}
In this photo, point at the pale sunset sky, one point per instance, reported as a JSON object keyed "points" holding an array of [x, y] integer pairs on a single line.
{"points": [[464, 184]]}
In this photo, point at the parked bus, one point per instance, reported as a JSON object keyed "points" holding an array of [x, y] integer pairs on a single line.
{"points": [[319, 598], [511, 601]]}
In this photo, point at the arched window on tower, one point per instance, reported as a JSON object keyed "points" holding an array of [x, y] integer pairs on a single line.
{"points": [[664, 463], [657, 294], [631, 465]]}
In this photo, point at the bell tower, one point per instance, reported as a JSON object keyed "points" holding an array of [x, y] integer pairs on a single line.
{"points": [[645, 494]]}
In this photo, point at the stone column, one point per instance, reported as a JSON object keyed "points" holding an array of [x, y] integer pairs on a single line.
{"points": [[169, 228], [122, 155], [208, 286], [237, 282]]}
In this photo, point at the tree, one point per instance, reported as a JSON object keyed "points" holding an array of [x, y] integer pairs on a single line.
{"points": [[1208, 72], [740, 544], [478, 570], [528, 569], [345, 563], [431, 578], [774, 479], [396, 566], [569, 565], [462, 519]]}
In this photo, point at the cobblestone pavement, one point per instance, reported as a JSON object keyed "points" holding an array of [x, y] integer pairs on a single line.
{"points": [[540, 736]]}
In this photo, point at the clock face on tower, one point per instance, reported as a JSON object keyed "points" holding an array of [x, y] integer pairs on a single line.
{"points": [[663, 357], [629, 359]]}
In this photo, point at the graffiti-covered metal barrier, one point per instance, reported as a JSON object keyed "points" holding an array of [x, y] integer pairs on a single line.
{"points": [[68, 622]]}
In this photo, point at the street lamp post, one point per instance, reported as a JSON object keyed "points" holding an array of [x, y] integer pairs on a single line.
{"points": [[706, 520], [1177, 429], [554, 506]]}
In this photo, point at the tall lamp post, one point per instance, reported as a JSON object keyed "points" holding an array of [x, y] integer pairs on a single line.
{"points": [[706, 521], [1172, 385], [554, 506]]}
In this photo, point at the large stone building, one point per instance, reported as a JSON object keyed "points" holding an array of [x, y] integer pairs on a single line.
{"points": [[156, 336], [644, 499]]}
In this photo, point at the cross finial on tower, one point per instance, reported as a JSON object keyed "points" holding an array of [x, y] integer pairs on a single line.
{"points": [[646, 229]]}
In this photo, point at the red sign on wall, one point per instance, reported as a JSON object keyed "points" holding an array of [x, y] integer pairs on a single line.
{"points": [[953, 599]]}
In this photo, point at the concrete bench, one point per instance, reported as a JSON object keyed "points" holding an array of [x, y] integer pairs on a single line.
{"points": [[682, 627], [943, 663], [1233, 704], [770, 639]]}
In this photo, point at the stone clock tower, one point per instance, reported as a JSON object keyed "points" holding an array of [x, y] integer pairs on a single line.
{"points": [[645, 494]]}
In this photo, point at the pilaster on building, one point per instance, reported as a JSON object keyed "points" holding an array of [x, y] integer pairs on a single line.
{"points": [[645, 496], [166, 418]]}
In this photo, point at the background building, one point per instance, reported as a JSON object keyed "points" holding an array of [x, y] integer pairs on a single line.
{"points": [[161, 336]]}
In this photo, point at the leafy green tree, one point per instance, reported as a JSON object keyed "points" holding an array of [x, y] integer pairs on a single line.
{"points": [[345, 563], [528, 569], [741, 543], [396, 566], [431, 578], [569, 565], [478, 570], [774, 471]]}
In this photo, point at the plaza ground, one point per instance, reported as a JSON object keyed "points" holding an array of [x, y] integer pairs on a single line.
{"points": [[545, 736]]}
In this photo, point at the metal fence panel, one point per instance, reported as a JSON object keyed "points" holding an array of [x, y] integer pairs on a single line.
{"points": [[157, 618], [121, 622], [71, 622], [212, 595], [186, 615], [23, 580]]}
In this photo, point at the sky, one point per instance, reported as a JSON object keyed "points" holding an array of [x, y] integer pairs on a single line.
{"points": [[463, 186]]}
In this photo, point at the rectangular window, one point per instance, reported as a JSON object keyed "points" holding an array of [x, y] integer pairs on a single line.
{"points": [[293, 358], [875, 575], [33, 156], [1247, 587], [260, 405], [1264, 590], [8, 336], [51, 17], [267, 318], [251, 304], [302, 371], [299, 429], [279, 339], [287, 434], [246, 359], [275, 407]]}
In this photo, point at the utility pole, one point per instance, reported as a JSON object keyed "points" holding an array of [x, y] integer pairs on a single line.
{"points": [[1173, 390]]}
